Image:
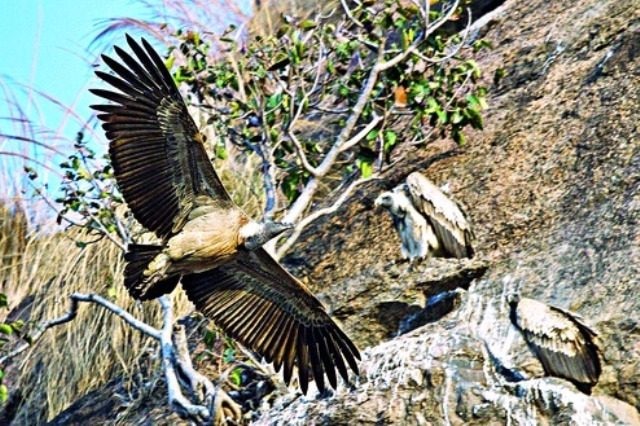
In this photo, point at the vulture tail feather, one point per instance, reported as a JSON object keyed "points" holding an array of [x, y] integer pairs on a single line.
{"points": [[140, 287]]}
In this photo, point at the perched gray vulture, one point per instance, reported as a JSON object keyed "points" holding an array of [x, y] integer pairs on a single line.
{"points": [[562, 342], [428, 222], [208, 243]]}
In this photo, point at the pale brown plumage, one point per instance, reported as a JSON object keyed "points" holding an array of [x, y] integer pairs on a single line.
{"points": [[562, 342], [209, 243], [447, 218]]}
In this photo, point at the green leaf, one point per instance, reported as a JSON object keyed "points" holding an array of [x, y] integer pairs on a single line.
{"points": [[274, 101], [221, 152], [169, 62], [365, 166], [307, 24], [4, 301], [458, 137], [390, 139], [6, 329], [498, 75], [456, 116], [111, 292], [229, 355], [210, 338], [236, 376], [372, 135], [4, 393]]}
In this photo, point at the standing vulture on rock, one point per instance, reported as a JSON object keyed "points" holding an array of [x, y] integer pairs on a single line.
{"points": [[562, 342], [428, 222], [208, 243]]}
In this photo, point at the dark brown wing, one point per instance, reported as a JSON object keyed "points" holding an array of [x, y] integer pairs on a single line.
{"points": [[261, 305], [564, 345], [157, 153], [448, 220]]}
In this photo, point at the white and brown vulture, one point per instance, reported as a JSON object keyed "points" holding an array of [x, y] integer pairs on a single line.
{"points": [[208, 244], [564, 344], [428, 222]]}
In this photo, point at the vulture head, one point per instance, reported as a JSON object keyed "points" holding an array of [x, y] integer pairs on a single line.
{"points": [[256, 234], [384, 200], [396, 201]]}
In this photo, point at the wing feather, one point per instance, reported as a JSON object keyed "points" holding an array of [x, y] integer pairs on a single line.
{"points": [[565, 345], [155, 145], [326, 355], [258, 303], [448, 220]]}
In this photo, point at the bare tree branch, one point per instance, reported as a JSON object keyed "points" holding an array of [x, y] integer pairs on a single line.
{"points": [[73, 312], [198, 383], [176, 399], [301, 155], [361, 134], [176, 361], [347, 10], [297, 230], [303, 200]]}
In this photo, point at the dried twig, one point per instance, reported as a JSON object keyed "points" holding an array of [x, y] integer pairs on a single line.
{"points": [[72, 313], [177, 400], [297, 230], [176, 361]]}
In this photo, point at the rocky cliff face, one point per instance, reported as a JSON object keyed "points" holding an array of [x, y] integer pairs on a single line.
{"points": [[553, 187]]}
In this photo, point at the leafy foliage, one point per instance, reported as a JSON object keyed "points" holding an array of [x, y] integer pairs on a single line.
{"points": [[290, 94], [7, 329], [89, 195]]}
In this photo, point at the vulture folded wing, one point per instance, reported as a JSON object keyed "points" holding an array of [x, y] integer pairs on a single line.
{"points": [[157, 152], [258, 303], [445, 216], [564, 345]]}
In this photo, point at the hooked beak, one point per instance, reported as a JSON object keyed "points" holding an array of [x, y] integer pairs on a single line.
{"points": [[276, 228], [383, 201]]}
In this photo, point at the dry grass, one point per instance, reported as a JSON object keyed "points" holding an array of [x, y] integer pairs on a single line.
{"points": [[94, 348]]}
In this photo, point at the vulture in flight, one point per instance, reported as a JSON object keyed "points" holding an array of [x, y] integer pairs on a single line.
{"points": [[208, 243], [562, 342], [428, 222]]}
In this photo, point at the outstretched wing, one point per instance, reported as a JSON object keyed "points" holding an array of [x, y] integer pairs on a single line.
{"points": [[563, 343], [447, 218], [258, 303], [157, 152]]}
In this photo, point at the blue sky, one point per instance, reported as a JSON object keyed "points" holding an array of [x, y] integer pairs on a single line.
{"points": [[45, 45]]}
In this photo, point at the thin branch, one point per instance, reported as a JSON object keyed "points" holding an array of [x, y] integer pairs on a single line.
{"points": [[268, 176], [297, 230], [298, 111], [72, 313], [199, 384], [456, 49], [347, 10], [361, 134], [329, 160], [301, 155], [176, 399]]}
